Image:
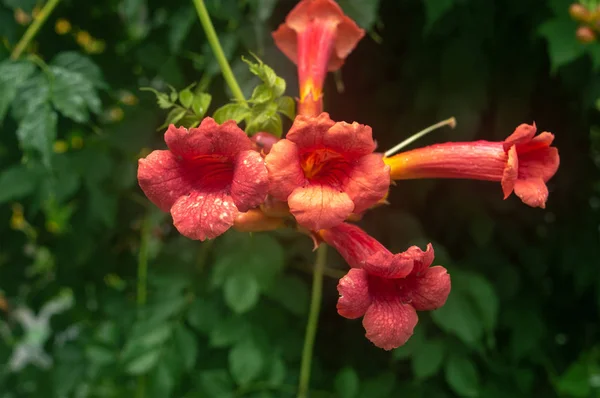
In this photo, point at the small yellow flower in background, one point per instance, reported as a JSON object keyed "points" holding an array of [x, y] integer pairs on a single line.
{"points": [[83, 38], [53, 227], [76, 141], [115, 114], [22, 17], [17, 221], [95, 47], [60, 146], [128, 98], [62, 26]]}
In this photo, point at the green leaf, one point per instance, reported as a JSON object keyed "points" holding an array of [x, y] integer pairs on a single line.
{"points": [[292, 293], [286, 106], [161, 381], [144, 363], [235, 112], [380, 386], [12, 75], [563, 46], [204, 315], [459, 317], [264, 72], [228, 332], [37, 131], [173, 117], [186, 97], [100, 355], [80, 64], [162, 99], [261, 94], [364, 13], [435, 10], [278, 87], [427, 360], [241, 292], [73, 94], [32, 94], [413, 344], [217, 383], [484, 298], [575, 382], [200, 104], [18, 181], [246, 361], [462, 376], [187, 346], [261, 119], [179, 27], [346, 383]]}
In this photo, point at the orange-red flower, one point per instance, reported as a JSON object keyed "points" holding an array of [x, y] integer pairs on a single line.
{"points": [[326, 170], [317, 36], [383, 288], [208, 175], [522, 163]]}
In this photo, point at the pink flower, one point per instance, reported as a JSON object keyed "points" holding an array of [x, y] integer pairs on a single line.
{"points": [[522, 163], [208, 175], [326, 171], [317, 36], [386, 289]]}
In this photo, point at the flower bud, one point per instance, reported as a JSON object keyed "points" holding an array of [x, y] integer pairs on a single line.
{"points": [[264, 141], [579, 13], [585, 34]]}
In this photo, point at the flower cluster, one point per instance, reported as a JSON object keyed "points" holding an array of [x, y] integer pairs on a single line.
{"points": [[325, 173]]}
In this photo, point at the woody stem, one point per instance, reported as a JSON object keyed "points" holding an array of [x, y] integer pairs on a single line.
{"points": [[34, 28], [313, 320], [215, 45]]}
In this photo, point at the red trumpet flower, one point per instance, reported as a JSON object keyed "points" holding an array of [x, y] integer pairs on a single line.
{"points": [[208, 175]]}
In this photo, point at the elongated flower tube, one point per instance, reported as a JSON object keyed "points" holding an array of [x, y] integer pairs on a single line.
{"points": [[317, 37], [208, 175], [523, 163], [325, 171], [386, 289]]}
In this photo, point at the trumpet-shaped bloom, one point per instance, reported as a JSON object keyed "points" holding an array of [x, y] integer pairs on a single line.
{"points": [[523, 163], [386, 289], [317, 36], [208, 175], [326, 171]]}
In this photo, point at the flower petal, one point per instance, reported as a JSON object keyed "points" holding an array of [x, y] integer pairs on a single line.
{"points": [[353, 140], [368, 181], [348, 35], [209, 138], [522, 134], [386, 265], [354, 294], [250, 180], [319, 206], [286, 40], [204, 215], [162, 178], [541, 163], [532, 191], [285, 172], [429, 290], [422, 259], [389, 323], [308, 132], [511, 171]]}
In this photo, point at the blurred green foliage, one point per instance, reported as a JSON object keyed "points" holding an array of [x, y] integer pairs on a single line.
{"points": [[226, 318]]}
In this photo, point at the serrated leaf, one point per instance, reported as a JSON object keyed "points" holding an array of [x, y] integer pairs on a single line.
{"points": [[162, 99], [186, 97], [278, 87], [235, 112], [12, 75], [286, 106], [427, 360], [346, 383], [264, 72], [246, 361], [144, 363], [17, 182], [173, 117], [200, 104], [263, 118], [261, 94], [72, 94], [37, 131], [462, 376], [241, 292], [33, 94], [78, 63]]}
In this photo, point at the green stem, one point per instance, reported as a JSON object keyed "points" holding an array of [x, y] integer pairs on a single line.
{"points": [[313, 320], [142, 286], [213, 40], [34, 28]]}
